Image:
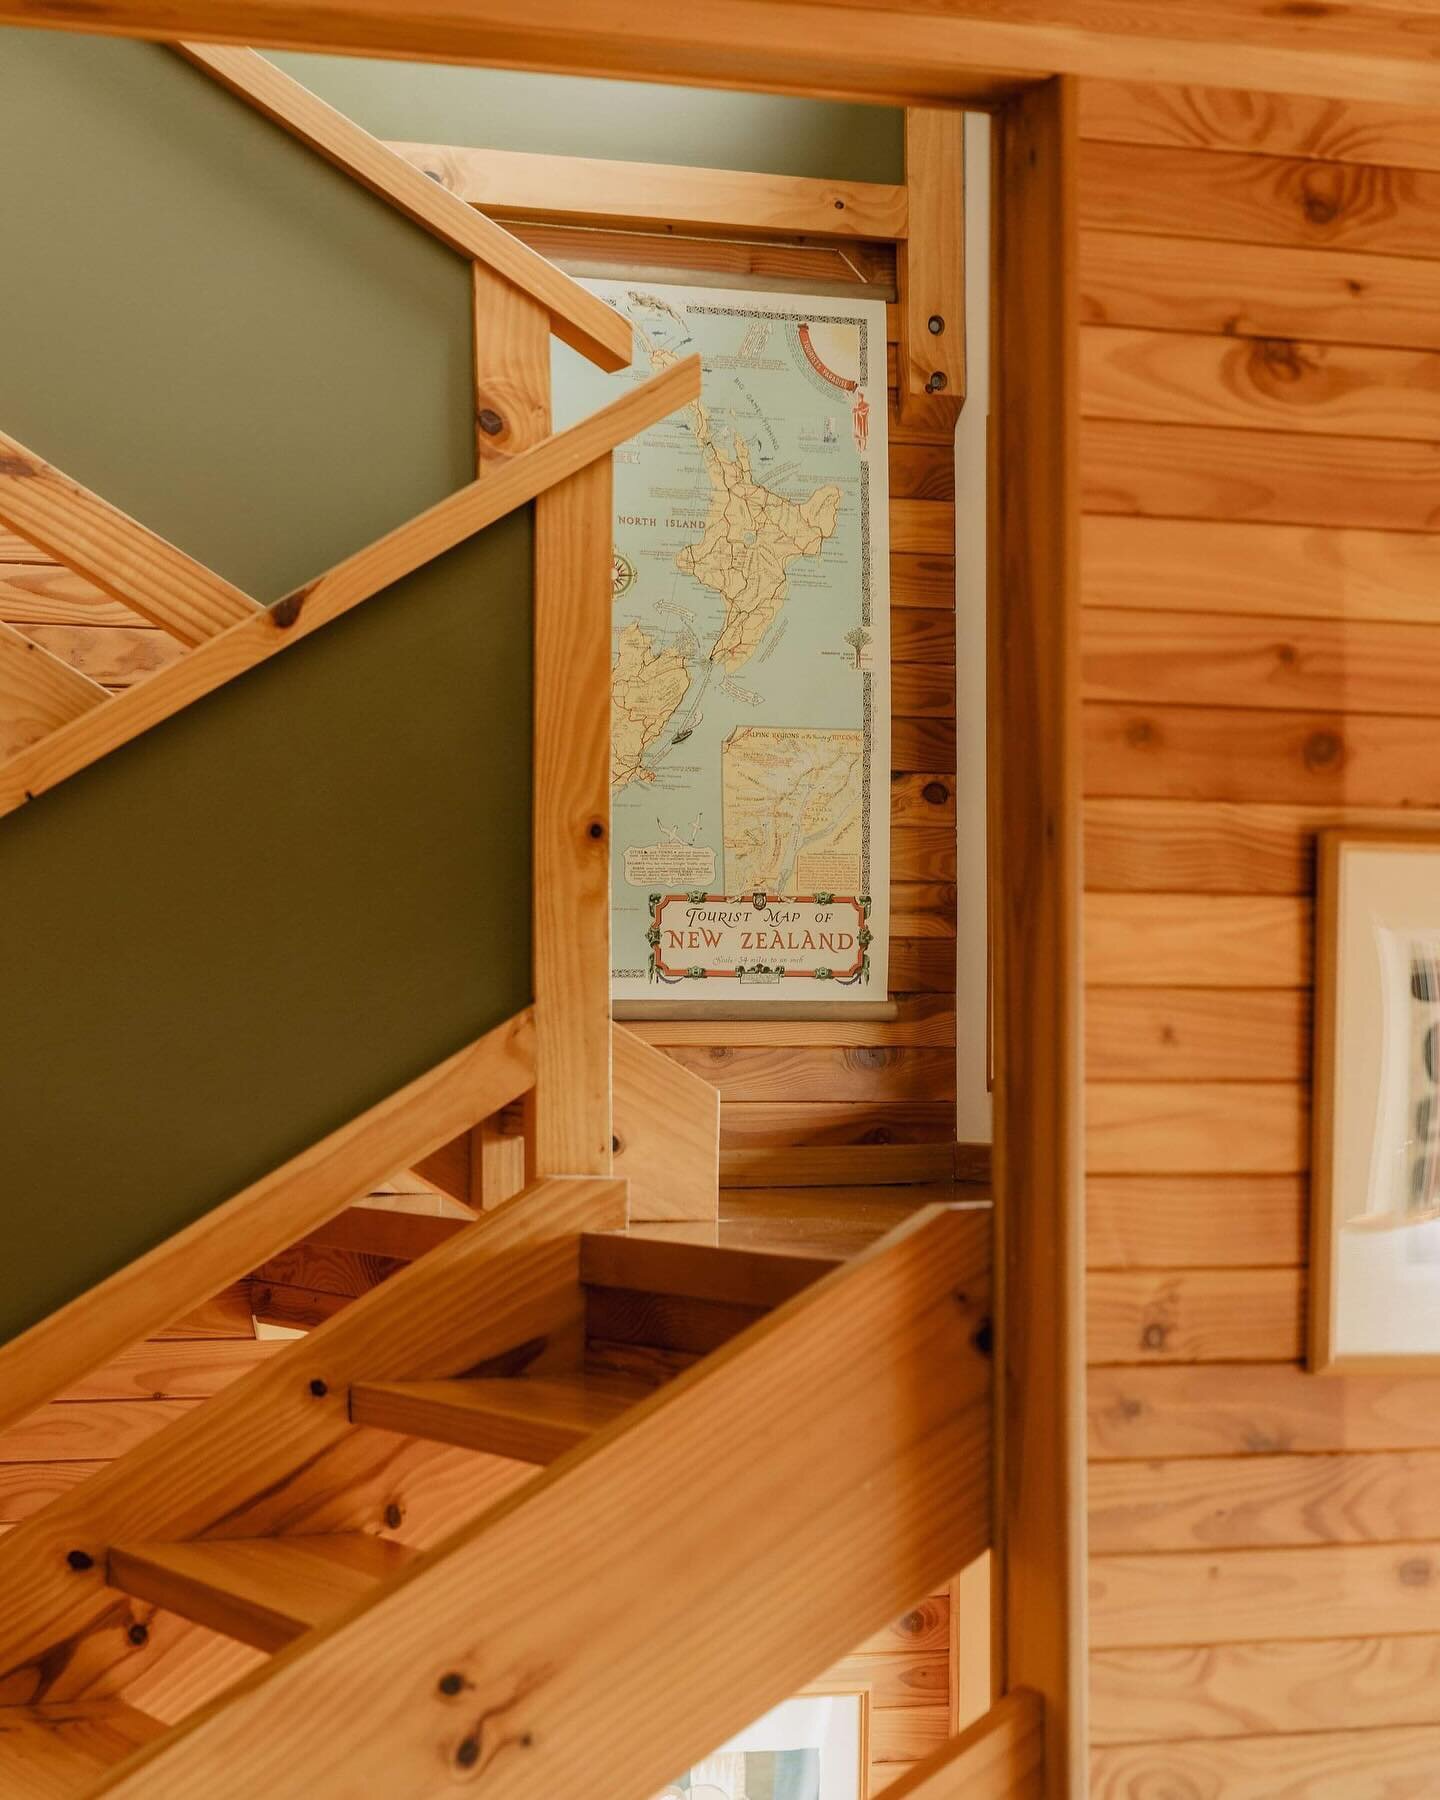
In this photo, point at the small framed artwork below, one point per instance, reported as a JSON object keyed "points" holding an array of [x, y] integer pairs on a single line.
{"points": [[813, 1748], [1375, 1153]]}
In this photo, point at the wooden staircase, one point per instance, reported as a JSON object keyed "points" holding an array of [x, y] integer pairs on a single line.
{"points": [[720, 1432]]}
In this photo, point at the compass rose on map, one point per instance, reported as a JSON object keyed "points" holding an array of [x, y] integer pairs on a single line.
{"points": [[622, 574]]}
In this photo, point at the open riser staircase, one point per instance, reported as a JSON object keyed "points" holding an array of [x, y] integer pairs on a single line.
{"points": [[511, 1517]]}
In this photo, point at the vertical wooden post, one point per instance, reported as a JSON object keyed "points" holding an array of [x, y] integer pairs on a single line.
{"points": [[1035, 781], [570, 1127], [932, 261]]}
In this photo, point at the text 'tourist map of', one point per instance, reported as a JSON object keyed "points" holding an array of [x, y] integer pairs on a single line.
{"points": [[751, 749]]}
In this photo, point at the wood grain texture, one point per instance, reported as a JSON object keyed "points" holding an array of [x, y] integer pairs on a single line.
{"points": [[1205, 118], [1259, 199], [38, 692], [48, 1752], [928, 1509], [531, 1420], [667, 1132], [999, 1757], [1259, 383], [1262, 291], [1234, 1596], [1198, 1503], [591, 190], [1196, 1127], [1281, 571], [1195, 1221], [1201, 1034], [1219, 659], [1323, 1765], [1196, 941], [38, 591], [1194, 1315], [1257, 1410], [931, 261], [1248, 1690], [1259, 756], [1228, 473]]}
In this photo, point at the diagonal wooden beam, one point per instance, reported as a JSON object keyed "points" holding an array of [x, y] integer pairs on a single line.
{"points": [[999, 1757], [265, 1218], [38, 692], [600, 1621], [122, 557], [389, 559], [583, 321]]}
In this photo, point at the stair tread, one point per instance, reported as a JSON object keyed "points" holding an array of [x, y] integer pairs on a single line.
{"points": [[712, 1272], [50, 1752], [263, 1591], [531, 1418]]}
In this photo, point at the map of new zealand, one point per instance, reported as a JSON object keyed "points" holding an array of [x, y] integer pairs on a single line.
{"points": [[750, 672]]}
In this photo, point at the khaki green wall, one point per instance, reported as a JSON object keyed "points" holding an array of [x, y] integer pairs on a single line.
{"points": [[635, 122], [261, 917], [210, 325]]}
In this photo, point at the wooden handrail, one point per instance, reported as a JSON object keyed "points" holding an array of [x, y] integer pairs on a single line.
{"points": [[210, 665], [592, 189], [854, 1478], [124, 559], [152, 1292], [583, 321]]}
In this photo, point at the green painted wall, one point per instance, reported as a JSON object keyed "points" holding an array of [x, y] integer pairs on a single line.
{"points": [[574, 116], [264, 915], [211, 326], [258, 919]]}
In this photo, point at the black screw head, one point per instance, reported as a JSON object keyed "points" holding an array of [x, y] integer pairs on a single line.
{"points": [[393, 1516], [451, 1684], [936, 382], [318, 1388], [138, 1635], [839, 206], [597, 830], [467, 1753], [490, 421], [80, 1560], [936, 324]]}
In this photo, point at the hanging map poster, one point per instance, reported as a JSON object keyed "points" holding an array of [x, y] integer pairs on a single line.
{"points": [[751, 678]]}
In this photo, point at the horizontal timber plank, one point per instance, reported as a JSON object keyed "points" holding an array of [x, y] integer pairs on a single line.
{"points": [[922, 966], [1196, 941], [1257, 1410], [921, 909], [87, 1430], [1195, 846], [1219, 659], [1235, 1596], [925, 743], [1323, 1765], [587, 189], [326, 1269], [923, 634], [1195, 1221], [1240, 198], [893, 1166], [28, 1486], [765, 1124], [172, 1369], [895, 1678], [1197, 1034], [1284, 477], [1258, 290], [1259, 756], [117, 656], [863, 1072], [225, 1314], [1199, 1504], [1259, 383], [901, 1735], [1217, 118], [921, 580], [924, 690], [923, 1628], [1247, 1690], [1194, 1315], [42, 593], [1196, 1128], [1282, 571], [925, 1021], [922, 527]]}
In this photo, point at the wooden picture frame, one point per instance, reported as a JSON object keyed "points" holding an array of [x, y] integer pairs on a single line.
{"points": [[1375, 1284]]}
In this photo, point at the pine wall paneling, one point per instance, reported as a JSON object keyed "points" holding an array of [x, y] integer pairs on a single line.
{"points": [[1260, 365]]}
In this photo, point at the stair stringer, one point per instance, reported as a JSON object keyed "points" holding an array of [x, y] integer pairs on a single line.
{"points": [[657, 1588], [511, 1279]]}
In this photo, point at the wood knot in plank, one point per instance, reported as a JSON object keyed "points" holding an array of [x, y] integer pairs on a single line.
{"points": [[285, 612], [1323, 750], [1416, 1572], [17, 468]]}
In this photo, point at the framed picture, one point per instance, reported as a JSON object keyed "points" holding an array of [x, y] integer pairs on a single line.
{"points": [[813, 1748], [1375, 1161]]}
